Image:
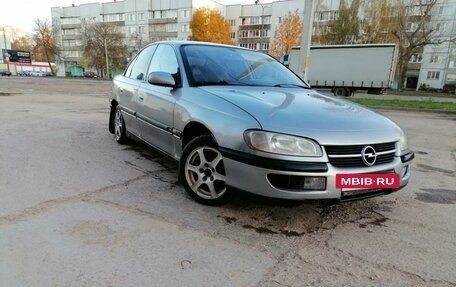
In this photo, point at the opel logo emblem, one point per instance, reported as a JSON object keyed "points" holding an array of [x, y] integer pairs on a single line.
{"points": [[369, 155]]}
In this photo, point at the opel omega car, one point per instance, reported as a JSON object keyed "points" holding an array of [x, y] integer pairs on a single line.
{"points": [[237, 119]]}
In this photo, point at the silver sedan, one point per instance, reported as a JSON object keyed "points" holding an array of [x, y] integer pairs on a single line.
{"points": [[239, 119]]}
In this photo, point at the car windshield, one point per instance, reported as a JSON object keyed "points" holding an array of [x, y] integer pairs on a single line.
{"points": [[219, 65]]}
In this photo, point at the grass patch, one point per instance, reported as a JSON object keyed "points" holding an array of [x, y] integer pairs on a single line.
{"points": [[428, 105]]}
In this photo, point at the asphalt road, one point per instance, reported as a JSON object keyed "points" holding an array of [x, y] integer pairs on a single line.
{"points": [[77, 209]]}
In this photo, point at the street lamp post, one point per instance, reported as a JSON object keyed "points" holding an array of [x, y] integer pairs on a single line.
{"points": [[307, 22], [257, 2], [5, 56]]}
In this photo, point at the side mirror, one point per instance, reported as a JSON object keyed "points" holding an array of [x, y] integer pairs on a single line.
{"points": [[161, 79]]}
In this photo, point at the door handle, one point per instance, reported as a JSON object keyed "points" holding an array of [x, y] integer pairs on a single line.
{"points": [[141, 98], [121, 90]]}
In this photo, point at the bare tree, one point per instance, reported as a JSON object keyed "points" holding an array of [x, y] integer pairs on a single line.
{"points": [[412, 27], [99, 38], [43, 38]]}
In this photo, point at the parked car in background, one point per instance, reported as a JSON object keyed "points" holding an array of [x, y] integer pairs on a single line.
{"points": [[238, 119], [37, 73], [90, 74], [5, 73]]}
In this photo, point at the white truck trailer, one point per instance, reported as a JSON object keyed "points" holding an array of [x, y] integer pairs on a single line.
{"points": [[347, 68]]}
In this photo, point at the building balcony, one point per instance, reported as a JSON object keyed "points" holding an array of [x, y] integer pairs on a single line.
{"points": [[163, 21], [255, 27], [70, 26], [162, 34]]}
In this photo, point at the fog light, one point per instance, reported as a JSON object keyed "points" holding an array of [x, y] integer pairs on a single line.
{"points": [[297, 183], [314, 183]]}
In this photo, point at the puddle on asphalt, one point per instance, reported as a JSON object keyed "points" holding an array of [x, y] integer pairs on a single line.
{"points": [[437, 195]]}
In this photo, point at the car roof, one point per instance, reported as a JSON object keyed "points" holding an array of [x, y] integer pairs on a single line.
{"points": [[178, 43]]}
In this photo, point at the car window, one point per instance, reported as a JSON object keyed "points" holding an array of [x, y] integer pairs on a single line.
{"points": [[129, 68], [164, 60], [223, 65], [141, 63]]}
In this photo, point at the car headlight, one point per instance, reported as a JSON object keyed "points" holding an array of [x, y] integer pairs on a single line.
{"points": [[403, 144], [282, 144]]}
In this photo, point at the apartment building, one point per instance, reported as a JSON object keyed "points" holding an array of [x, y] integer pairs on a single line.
{"points": [[253, 26], [141, 21]]}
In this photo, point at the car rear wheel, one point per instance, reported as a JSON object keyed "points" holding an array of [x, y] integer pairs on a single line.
{"points": [[119, 127], [202, 171]]}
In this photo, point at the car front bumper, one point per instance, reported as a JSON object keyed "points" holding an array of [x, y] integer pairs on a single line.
{"points": [[252, 176]]}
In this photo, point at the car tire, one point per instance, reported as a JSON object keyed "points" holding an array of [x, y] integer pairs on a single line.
{"points": [[341, 92], [202, 172], [120, 132]]}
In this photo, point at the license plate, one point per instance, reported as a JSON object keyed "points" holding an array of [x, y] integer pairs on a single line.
{"points": [[368, 181]]}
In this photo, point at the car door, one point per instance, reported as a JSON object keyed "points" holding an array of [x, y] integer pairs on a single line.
{"points": [[128, 88], [157, 102]]}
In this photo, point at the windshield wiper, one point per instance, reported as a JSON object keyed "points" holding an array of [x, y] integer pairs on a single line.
{"points": [[292, 85]]}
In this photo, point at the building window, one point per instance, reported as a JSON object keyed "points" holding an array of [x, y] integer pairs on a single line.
{"points": [[185, 28], [233, 35], [445, 10], [131, 17], [232, 22], [436, 59], [132, 30], [411, 27], [172, 27], [141, 29], [416, 58], [185, 13], [440, 27], [433, 75], [141, 16], [265, 46], [279, 20], [321, 16]]}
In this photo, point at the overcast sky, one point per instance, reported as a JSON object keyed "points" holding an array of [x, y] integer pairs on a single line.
{"points": [[20, 13]]}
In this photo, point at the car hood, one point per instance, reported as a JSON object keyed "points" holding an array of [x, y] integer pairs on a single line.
{"points": [[310, 114]]}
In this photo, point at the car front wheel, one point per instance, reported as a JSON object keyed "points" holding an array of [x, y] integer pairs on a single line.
{"points": [[202, 171]]}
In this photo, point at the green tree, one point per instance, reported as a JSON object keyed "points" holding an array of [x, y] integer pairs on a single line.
{"points": [[287, 35], [99, 37], [209, 25], [345, 29]]}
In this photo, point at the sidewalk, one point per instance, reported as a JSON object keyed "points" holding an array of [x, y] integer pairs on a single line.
{"points": [[387, 96]]}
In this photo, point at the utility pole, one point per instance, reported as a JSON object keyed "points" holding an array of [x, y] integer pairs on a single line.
{"points": [[307, 23], [5, 55], [107, 61]]}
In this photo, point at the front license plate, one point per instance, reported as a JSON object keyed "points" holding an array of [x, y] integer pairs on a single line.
{"points": [[368, 181]]}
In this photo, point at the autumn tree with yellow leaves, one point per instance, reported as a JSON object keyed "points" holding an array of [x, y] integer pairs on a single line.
{"points": [[287, 36], [209, 25]]}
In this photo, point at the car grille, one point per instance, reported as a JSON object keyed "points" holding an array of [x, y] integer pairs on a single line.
{"points": [[350, 156]]}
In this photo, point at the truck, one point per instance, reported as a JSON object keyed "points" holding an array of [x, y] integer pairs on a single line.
{"points": [[346, 69]]}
